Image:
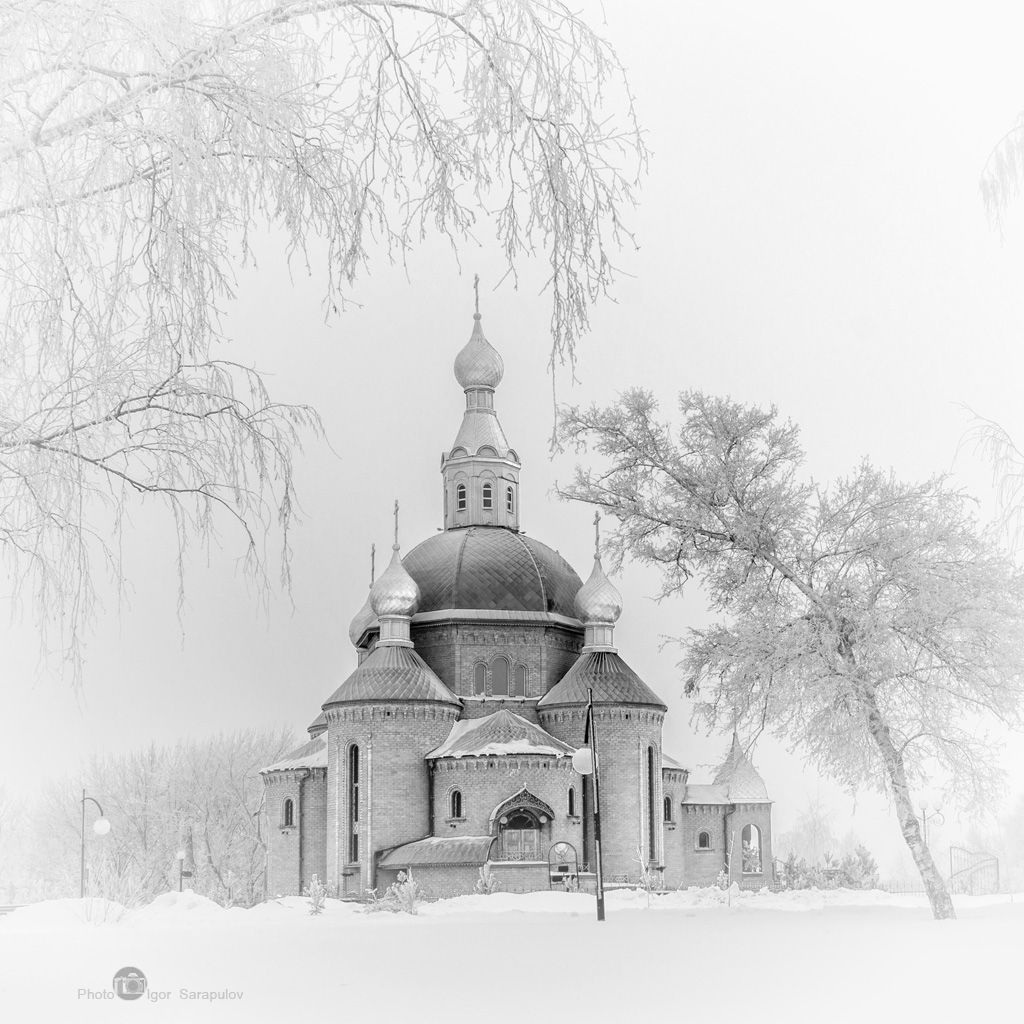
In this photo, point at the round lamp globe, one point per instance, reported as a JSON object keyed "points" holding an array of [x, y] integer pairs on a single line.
{"points": [[583, 761], [101, 826]]}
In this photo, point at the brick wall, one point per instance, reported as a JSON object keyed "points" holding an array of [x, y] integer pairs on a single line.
{"points": [[313, 826], [759, 815], [485, 782], [394, 806], [624, 734], [452, 650], [436, 882], [520, 877], [283, 844], [698, 867]]}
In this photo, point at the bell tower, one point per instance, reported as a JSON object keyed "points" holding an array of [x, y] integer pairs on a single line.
{"points": [[481, 471]]}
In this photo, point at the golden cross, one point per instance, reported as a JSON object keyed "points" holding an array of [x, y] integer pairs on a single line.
{"points": [[396, 522], [373, 563], [476, 292], [597, 533]]}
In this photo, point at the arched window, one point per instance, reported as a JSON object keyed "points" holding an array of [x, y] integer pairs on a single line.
{"points": [[572, 802], [652, 849], [353, 804], [289, 812], [499, 677], [488, 496], [668, 808], [520, 836], [456, 804], [751, 844], [703, 840], [480, 679], [460, 498], [520, 681], [510, 500]]}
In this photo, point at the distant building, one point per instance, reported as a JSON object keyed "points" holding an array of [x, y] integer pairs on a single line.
{"points": [[450, 744]]}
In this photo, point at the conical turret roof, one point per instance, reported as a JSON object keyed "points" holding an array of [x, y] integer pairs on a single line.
{"points": [[611, 679], [392, 673], [739, 777]]}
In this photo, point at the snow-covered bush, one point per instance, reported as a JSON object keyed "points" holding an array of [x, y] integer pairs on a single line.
{"points": [[487, 883], [856, 870], [317, 893], [403, 896]]}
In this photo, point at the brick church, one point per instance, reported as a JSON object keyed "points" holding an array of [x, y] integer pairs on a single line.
{"points": [[449, 747]]}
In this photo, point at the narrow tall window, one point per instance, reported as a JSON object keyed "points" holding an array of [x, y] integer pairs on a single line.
{"points": [[480, 679], [668, 808], [488, 496], [456, 802], [510, 500], [520, 681], [704, 841], [751, 844], [499, 677], [460, 498], [572, 801], [353, 804], [289, 812], [652, 849]]}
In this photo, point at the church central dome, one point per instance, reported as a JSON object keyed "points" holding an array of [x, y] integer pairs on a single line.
{"points": [[492, 568]]}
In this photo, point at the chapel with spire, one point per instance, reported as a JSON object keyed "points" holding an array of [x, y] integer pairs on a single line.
{"points": [[447, 749]]}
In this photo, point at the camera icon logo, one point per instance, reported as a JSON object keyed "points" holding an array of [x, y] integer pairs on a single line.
{"points": [[129, 983]]}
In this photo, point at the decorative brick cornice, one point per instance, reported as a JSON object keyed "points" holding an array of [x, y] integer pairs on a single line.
{"points": [[392, 711]]}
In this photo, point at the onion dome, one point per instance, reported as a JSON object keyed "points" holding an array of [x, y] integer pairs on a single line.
{"points": [[364, 619], [392, 673], [598, 600], [395, 593], [478, 365], [366, 616]]}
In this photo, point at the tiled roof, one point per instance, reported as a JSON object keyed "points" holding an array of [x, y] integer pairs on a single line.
{"points": [[439, 851], [670, 762], [739, 776], [310, 755], [504, 732], [612, 680], [490, 567], [389, 673], [480, 428], [318, 725]]}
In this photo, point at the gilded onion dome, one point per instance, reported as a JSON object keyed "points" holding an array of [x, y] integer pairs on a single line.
{"points": [[395, 593], [598, 600], [365, 617], [478, 365]]}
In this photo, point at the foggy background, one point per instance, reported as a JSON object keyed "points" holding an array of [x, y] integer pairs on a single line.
{"points": [[811, 235]]}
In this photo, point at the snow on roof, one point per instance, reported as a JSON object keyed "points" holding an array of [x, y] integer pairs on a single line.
{"points": [[310, 755], [444, 850], [706, 795], [670, 762], [504, 732]]}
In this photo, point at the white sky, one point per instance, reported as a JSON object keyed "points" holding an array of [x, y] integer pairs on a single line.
{"points": [[811, 236]]}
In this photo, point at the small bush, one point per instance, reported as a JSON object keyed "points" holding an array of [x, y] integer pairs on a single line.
{"points": [[317, 893], [403, 896], [486, 884]]}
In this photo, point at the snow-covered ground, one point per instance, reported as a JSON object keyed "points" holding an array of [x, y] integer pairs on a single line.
{"points": [[788, 957]]}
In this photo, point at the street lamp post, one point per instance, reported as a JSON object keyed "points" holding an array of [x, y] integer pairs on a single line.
{"points": [[100, 826], [182, 873], [585, 761], [926, 817]]}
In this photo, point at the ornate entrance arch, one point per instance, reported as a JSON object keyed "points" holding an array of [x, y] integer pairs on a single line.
{"points": [[521, 822]]}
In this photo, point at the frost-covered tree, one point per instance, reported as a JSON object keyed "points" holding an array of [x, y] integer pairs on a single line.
{"points": [[145, 143], [208, 789], [871, 623]]}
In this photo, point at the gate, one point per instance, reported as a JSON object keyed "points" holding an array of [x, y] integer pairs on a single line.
{"points": [[563, 867], [973, 873]]}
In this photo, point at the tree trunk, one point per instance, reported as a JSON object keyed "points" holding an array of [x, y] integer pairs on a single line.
{"points": [[938, 895]]}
